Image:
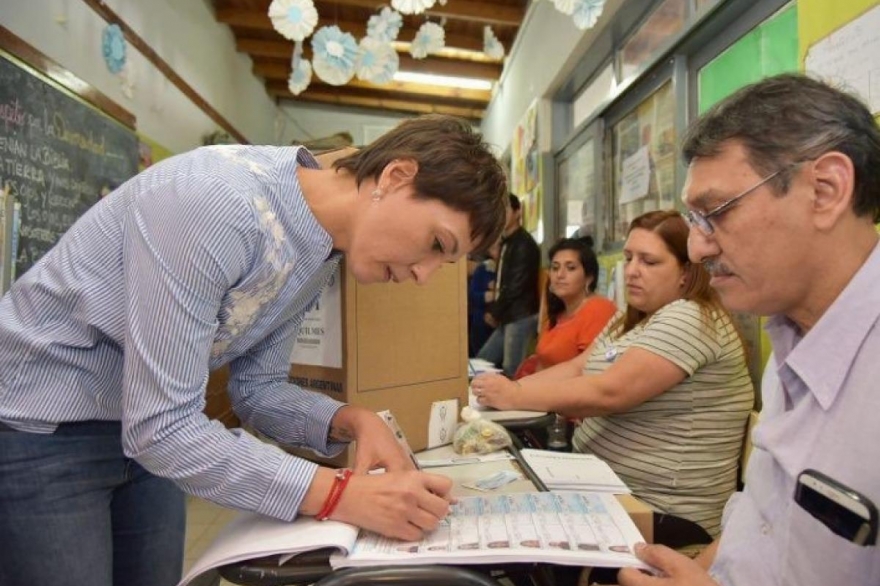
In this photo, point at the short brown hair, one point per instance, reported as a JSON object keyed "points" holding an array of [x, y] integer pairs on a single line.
{"points": [[790, 118], [455, 167], [671, 227]]}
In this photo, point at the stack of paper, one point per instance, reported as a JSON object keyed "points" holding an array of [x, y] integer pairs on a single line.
{"points": [[565, 471], [479, 366], [577, 529]]}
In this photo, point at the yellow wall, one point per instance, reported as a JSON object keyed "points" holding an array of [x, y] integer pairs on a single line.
{"points": [[156, 151]]}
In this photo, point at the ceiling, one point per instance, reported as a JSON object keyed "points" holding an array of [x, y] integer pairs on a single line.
{"points": [[462, 57]]}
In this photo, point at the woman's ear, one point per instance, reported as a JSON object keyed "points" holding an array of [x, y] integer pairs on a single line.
{"points": [[398, 173]]}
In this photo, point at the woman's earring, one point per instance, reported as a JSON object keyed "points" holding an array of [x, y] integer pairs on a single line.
{"points": [[376, 195]]}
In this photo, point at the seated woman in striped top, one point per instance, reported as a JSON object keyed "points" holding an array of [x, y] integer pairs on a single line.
{"points": [[664, 391]]}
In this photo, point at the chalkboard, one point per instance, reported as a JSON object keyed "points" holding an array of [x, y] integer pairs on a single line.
{"points": [[57, 154]]}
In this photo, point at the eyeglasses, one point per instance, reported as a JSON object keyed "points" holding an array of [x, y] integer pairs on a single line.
{"points": [[700, 220]]}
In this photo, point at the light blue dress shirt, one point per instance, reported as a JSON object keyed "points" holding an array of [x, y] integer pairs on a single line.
{"points": [[822, 411], [208, 258]]}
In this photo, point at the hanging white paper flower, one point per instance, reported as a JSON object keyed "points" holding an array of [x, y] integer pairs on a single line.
{"points": [[294, 19], [113, 48], [384, 26], [334, 55], [492, 47], [300, 78], [587, 12], [412, 6], [564, 6], [377, 61], [429, 39], [127, 80]]}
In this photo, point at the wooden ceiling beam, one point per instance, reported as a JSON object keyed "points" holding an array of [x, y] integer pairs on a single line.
{"points": [[467, 10], [395, 90], [337, 99], [438, 65], [273, 68], [252, 19]]}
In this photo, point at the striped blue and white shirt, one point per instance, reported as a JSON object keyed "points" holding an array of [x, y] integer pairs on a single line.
{"points": [[208, 258]]}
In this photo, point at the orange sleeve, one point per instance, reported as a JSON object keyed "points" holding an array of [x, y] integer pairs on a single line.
{"points": [[568, 339]]}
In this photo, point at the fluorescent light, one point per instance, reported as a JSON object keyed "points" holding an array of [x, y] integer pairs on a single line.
{"points": [[444, 80]]}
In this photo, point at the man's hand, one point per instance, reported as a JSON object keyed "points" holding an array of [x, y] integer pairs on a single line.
{"points": [[676, 569]]}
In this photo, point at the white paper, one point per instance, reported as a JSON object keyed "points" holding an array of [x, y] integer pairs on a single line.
{"points": [[568, 471], [635, 176], [848, 56], [251, 536], [580, 529], [461, 460], [441, 423]]}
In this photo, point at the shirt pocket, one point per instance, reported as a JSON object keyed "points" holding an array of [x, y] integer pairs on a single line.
{"points": [[816, 556]]}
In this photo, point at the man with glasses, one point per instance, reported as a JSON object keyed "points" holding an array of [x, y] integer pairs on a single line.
{"points": [[783, 191]]}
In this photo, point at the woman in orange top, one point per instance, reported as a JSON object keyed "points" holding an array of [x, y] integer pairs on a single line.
{"points": [[576, 314]]}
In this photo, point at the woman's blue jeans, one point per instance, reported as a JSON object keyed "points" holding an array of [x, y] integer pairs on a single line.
{"points": [[74, 510]]}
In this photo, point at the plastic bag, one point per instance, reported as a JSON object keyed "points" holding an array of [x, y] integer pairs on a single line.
{"points": [[479, 436]]}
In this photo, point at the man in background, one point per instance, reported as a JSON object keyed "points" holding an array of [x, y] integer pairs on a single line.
{"points": [[514, 313], [783, 191]]}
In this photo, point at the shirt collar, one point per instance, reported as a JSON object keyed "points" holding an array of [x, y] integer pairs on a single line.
{"points": [[823, 357]]}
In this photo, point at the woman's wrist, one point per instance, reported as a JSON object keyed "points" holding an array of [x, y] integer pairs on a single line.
{"points": [[516, 397], [340, 481], [344, 425]]}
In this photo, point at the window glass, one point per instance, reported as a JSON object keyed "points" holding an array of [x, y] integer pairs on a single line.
{"points": [[577, 192], [668, 19], [644, 160]]}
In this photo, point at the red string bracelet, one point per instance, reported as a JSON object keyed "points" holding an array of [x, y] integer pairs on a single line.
{"points": [[340, 481]]}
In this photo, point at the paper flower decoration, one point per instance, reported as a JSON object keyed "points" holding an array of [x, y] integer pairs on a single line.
{"points": [[384, 26], [587, 12], [412, 6], [294, 19], [564, 6], [377, 61], [429, 39], [492, 47], [300, 77], [334, 55], [113, 48], [127, 80]]}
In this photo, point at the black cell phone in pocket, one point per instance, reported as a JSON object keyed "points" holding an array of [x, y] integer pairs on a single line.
{"points": [[844, 511]]}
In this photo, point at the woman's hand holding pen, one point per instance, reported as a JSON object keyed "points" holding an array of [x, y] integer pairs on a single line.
{"points": [[403, 502], [404, 505]]}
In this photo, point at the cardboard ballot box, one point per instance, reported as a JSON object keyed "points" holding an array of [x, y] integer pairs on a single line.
{"points": [[399, 347]]}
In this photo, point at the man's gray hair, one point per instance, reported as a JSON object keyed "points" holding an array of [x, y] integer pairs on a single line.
{"points": [[791, 118]]}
